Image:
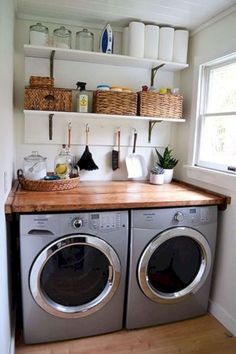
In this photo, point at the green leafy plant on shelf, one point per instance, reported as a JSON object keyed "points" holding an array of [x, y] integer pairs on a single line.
{"points": [[166, 161]]}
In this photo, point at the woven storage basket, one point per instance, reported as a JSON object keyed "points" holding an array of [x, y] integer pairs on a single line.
{"points": [[46, 99], [41, 81], [109, 102], [49, 186], [153, 104]]}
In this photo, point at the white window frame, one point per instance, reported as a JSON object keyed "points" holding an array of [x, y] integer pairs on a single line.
{"points": [[202, 174], [204, 78]]}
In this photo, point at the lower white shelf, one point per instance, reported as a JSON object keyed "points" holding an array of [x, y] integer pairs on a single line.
{"points": [[102, 116]]}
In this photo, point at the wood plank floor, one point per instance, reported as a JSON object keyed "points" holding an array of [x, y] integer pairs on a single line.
{"points": [[202, 335]]}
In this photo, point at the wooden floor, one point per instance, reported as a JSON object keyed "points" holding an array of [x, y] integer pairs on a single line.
{"points": [[202, 335]]}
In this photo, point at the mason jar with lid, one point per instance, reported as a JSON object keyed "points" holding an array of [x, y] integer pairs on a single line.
{"points": [[84, 40], [38, 35], [35, 166], [62, 37]]}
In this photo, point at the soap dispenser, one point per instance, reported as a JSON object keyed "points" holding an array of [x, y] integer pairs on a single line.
{"points": [[82, 97]]}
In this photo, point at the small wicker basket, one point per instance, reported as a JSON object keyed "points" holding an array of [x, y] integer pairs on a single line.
{"points": [[47, 186], [48, 99], [41, 81], [110, 102], [153, 104]]}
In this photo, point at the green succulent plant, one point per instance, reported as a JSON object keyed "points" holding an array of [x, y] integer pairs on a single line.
{"points": [[166, 161], [157, 170]]}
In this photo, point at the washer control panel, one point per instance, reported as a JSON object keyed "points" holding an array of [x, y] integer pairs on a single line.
{"points": [[105, 221]]}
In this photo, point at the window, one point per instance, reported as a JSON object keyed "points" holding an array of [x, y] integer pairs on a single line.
{"points": [[216, 139]]}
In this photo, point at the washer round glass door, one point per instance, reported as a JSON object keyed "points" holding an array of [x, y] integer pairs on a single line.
{"points": [[75, 276], [174, 265]]}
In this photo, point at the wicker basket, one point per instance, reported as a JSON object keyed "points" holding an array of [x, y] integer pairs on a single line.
{"points": [[48, 186], [45, 99], [109, 102], [41, 81], [153, 104]]}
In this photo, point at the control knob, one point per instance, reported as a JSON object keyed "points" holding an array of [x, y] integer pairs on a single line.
{"points": [[77, 223], [179, 216]]}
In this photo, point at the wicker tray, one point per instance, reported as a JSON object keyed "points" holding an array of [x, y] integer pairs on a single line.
{"points": [[109, 102], [47, 186], [153, 104]]}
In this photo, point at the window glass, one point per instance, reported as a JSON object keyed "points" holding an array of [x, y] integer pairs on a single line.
{"points": [[222, 89], [219, 140]]}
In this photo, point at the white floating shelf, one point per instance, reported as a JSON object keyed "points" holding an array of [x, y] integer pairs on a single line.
{"points": [[102, 116], [99, 58]]}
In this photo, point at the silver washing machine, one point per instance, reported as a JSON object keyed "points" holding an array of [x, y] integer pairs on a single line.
{"points": [[73, 272], [172, 253]]}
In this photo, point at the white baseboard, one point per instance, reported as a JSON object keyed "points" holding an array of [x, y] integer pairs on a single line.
{"points": [[222, 316]]}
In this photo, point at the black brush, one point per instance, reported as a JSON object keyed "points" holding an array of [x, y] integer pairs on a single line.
{"points": [[115, 156], [86, 161]]}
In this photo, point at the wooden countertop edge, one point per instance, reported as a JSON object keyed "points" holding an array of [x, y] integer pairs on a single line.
{"points": [[110, 206], [221, 206], [10, 199], [13, 205]]}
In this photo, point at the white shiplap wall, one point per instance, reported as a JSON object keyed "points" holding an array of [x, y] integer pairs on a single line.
{"points": [[32, 134]]}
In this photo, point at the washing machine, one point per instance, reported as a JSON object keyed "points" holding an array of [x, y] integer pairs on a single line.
{"points": [[171, 260], [73, 273]]}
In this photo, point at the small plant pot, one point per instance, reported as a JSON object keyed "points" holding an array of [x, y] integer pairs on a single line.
{"points": [[156, 179], [168, 175]]}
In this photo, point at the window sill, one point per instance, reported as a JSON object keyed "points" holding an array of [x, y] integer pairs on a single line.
{"points": [[216, 178]]}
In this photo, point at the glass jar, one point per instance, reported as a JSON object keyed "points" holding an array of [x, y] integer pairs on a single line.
{"points": [[63, 161], [62, 37], [84, 40], [38, 35], [35, 166]]}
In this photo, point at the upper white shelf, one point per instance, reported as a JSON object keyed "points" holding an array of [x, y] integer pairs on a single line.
{"points": [[102, 116], [100, 58]]}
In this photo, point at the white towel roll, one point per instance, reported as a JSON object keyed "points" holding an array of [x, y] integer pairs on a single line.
{"points": [[151, 41], [166, 43], [136, 39], [180, 46], [125, 41]]}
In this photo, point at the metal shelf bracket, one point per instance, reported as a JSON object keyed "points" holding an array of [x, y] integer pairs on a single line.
{"points": [[154, 71], [52, 56], [150, 127], [50, 125]]}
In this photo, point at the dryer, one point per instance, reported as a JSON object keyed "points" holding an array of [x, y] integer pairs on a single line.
{"points": [[73, 272], [171, 260]]}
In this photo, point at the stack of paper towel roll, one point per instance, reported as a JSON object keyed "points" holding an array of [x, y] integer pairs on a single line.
{"points": [[154, 42]]}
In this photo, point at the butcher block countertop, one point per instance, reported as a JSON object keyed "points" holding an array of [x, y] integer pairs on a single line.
{"points": [[112, 195]]}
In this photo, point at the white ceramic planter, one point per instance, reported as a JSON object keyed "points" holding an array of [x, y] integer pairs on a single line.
{"points": [[168, 175], [156, 179]]}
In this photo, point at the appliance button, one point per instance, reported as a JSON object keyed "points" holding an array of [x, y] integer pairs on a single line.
{"points": [[77, 223], [179, 216]]}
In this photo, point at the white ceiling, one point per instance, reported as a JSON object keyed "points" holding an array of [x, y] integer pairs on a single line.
{"points": [[189, 14]]}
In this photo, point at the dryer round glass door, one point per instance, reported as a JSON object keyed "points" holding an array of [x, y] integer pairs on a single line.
{"points": [[174, 265], [75, 276]]}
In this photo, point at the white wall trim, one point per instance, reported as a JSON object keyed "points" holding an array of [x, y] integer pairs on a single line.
{"points": [[213, 20], [222, 316], [216, 178]]}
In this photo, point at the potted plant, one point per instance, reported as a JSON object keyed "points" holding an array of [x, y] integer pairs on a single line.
{"points": [[167, 162], [157, 175]]}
